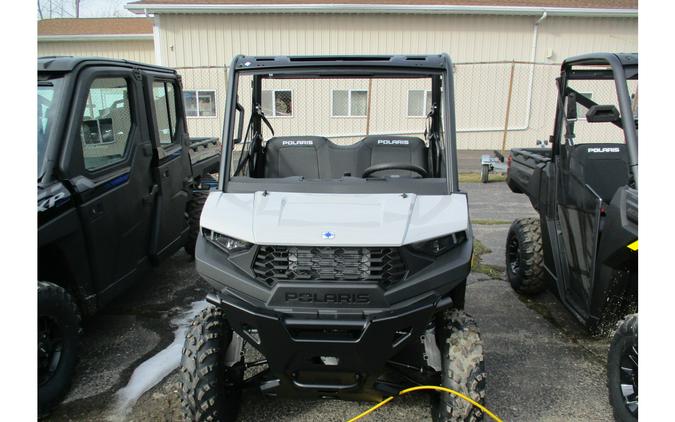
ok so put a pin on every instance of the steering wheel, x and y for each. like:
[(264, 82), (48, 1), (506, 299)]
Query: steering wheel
[(395, 166)]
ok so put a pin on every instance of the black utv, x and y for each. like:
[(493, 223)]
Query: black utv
[(585, 189), (117, 193)]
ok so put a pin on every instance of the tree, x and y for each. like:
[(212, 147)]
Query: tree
[(50, 9)]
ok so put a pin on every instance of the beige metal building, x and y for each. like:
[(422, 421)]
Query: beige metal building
[(200, 37)]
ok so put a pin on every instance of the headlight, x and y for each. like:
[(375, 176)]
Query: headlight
[(439, 245), (226, 243)]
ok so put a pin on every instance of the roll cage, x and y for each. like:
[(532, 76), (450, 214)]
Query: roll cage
[(442, 125), (610, 66)]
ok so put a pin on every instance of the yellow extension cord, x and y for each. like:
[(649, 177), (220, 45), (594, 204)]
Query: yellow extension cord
[(427, 387)]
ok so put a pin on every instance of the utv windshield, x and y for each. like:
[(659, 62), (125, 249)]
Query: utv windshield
[(327, 133), (47, 93)]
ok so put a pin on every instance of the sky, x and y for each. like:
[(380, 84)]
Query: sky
[(100, 8), (88, 8)]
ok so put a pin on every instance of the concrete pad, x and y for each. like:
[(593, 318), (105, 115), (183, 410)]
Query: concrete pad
[(106, 354), (495, 201), (535, 372), (494, 238)]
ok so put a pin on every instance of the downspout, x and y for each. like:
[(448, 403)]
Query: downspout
[(157, 41), (533, 57)]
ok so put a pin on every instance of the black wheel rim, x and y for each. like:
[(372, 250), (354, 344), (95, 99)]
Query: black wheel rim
[(50, 348), (628, 377), (512, 253)]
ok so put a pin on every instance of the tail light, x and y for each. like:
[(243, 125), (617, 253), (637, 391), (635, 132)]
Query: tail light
[(508, 164)]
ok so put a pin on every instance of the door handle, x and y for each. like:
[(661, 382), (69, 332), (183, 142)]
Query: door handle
[(147, 199), (96, 210)]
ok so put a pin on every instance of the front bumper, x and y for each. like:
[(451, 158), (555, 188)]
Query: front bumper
[(329, 338), (340, 358)]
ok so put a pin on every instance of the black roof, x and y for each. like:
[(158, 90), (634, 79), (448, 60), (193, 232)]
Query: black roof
[(417, 62), (68, 63), (623, 59)]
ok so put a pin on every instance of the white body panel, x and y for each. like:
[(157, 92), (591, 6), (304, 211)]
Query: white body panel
[(281, 218)]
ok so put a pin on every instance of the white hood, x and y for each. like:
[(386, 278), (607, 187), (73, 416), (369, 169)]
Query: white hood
[(317, 219)]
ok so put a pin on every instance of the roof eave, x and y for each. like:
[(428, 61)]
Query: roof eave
[(377, 8), (95, 37)]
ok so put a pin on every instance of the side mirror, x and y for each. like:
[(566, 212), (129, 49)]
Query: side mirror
[(602, 114), (571, 110)]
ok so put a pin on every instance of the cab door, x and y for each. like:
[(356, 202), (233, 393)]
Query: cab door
[(107, 159), (592, 163), (171, 163), (579, 218)]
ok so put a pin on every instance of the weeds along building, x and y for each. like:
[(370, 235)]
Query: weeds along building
[(505, 53)]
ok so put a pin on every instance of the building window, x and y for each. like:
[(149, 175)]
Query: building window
[(277, 103), (419, 103), (200, 103), (350, 103)]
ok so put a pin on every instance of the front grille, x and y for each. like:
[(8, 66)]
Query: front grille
[(297, 263)]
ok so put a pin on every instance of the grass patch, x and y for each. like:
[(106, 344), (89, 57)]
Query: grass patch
[(490, 222), (476, 266), (475, 178)]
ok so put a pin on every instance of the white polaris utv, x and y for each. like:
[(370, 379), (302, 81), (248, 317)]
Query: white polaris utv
[(338, 241)]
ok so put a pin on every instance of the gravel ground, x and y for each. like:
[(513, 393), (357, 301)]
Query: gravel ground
[(541, 365)]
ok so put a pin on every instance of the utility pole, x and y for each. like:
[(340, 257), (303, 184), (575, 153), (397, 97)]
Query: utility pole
[(77, 8)]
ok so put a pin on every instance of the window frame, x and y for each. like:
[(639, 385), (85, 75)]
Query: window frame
[(197, 91), (274, 103), (427, 94), (349, 104)]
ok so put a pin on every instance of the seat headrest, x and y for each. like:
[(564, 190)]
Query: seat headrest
[(294, 156), (603, 151), (604, 167)]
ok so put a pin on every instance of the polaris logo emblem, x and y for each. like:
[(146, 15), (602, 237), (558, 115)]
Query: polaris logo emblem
[(291, 143), (393, 142), (328, 235), (612, 149), (333, 298)]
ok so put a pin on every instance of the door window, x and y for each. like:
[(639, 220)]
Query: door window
[(165, 109), (106, 123)]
